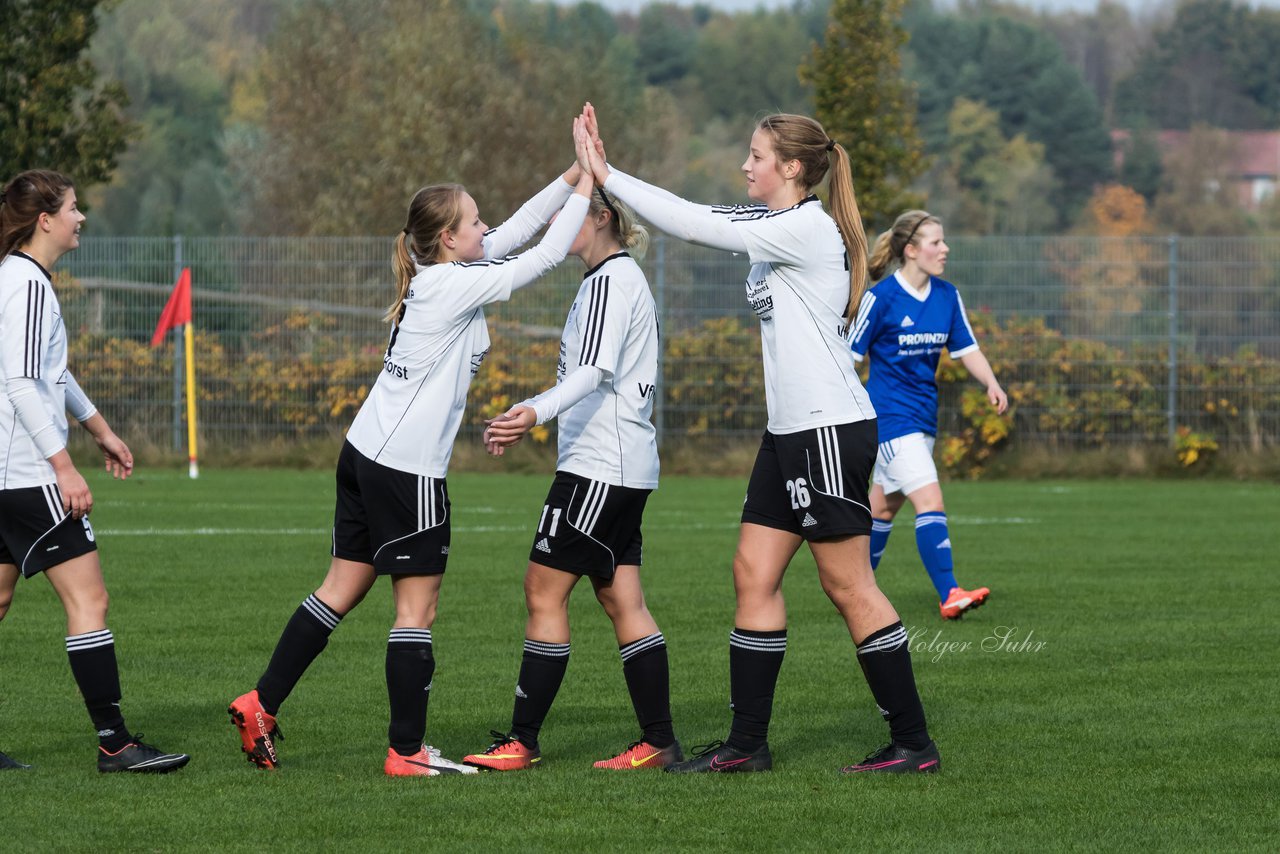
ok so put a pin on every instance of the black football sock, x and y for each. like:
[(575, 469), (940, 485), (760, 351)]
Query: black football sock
[(410, 665), (644, 664), (93, 664), (886, 663), (754, 661), (304, 637), (541, 672)]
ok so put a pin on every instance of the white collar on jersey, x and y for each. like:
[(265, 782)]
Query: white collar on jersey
[(918, 296)]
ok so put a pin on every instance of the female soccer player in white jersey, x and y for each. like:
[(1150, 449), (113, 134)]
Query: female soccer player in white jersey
[(903, 324), (392, 511), (590, 523), (44, 501), (810, 477)]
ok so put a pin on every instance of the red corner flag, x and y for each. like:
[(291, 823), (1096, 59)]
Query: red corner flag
[(177, 310)]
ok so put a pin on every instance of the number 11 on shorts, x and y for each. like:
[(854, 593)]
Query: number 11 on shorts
[(555, 520)]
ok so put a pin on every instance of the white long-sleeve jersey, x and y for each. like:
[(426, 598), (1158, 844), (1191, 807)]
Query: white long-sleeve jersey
[(611, 335), (798, 287), (36, 386), (412, 414)]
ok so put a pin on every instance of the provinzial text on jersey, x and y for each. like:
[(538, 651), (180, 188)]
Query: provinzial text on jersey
[(912, 339)]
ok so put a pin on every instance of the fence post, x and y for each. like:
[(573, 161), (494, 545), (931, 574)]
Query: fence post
[(178, 353), (660, 288), (1172, 405)]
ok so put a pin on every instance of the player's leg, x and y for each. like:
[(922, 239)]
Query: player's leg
[(767, 540), (306, 634), (757, 645), (837, 466), (410, 669), (411, 662), (884, 507), (933, 540), (844, 567), (546, 649), (91, 652), (304, 637), (645, 667), (542, 668), (8, 581)]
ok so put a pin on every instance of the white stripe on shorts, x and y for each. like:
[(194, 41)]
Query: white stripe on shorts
[(53, 498), (829, 456), (592, 504)]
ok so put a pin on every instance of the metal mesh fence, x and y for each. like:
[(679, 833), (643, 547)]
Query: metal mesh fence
[(1099, 341)]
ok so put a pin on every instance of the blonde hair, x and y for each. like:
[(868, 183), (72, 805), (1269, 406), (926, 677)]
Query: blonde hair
[(23, 199), (804, 139), (433, 210), (890, 245), (624, 226)]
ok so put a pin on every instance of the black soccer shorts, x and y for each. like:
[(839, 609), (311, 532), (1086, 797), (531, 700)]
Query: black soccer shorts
[(398, 522), (36, 533), (588, 527), (814, 483)]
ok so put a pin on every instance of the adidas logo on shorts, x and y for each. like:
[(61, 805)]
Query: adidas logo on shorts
[(809, 521), (543, 546)]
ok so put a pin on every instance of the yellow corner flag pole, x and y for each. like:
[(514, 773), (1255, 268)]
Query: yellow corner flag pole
[(189, 336)]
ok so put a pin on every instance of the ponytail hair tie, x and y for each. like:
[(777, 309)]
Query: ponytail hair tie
[(831, 144)]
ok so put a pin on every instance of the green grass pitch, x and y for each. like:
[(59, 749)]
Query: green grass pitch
[(1119, 691)]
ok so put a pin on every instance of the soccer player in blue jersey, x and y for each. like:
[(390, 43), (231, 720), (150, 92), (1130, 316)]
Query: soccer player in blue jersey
[(903, 324)]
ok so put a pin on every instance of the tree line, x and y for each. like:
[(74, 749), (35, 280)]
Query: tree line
[(322, 117)]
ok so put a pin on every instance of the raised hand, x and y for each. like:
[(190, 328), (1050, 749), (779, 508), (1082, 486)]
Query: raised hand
[(589, 154), (593, 128)]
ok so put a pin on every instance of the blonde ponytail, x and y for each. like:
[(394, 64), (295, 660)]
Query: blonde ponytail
[(881, 256), (844, 210), (402, 265)]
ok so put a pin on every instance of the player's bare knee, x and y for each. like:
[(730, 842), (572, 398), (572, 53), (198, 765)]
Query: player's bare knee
[(746, 570), (542, 603), (418, 617), (612, 608), (98, 604)]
